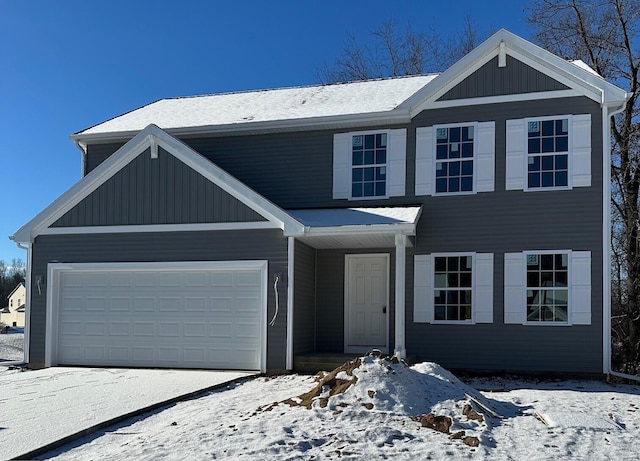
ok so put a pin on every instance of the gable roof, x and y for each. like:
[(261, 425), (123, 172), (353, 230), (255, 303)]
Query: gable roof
[(21, 284), (374, 102), (574, 74), (304, 105), (152, 137)]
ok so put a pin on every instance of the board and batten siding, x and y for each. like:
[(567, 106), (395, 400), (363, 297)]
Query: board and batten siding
[(304, 295), (264, 244), (157, 191), (491, 80)]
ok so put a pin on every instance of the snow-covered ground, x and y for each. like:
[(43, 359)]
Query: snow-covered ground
[(376, 411), (12, 345)]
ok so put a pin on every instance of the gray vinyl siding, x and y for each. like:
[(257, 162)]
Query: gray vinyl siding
[(491, 80), (330, 280), (98, 153), (267, 244), (512, 221), (304, 295), (157, 191)]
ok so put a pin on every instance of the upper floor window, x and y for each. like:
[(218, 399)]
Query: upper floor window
[(454, 158), (548, 153), (369, 165)]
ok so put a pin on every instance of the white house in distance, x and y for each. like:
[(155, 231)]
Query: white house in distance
[(13, 314)]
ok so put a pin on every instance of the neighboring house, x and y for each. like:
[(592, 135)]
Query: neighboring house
[(461, 218), (13, 314)]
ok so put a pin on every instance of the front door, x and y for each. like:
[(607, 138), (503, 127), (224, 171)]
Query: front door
[(366, 302)]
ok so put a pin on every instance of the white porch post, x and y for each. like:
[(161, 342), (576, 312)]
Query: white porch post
[(401, 258), (290, 275)]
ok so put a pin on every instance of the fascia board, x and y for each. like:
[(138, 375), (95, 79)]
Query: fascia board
[(385, 118), (82, 188), (404, 228)]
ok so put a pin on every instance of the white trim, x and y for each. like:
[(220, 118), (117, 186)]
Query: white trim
[(53, 289), (27, 312), (290, 303), (518, 97), (360, 349), (399, 308), (405, 228), (159, 228), (182, 152)]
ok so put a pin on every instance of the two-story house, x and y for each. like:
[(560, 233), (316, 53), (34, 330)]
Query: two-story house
[(461, 218), (13, 315)]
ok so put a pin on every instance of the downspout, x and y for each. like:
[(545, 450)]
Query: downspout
[(83, 149), (606, 260)]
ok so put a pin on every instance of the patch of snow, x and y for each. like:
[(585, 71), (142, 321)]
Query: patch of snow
[(12, 345), (279, 104)]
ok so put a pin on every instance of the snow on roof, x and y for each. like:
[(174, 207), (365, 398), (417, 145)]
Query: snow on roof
[(583, 65), (335, 217), (279, 104)]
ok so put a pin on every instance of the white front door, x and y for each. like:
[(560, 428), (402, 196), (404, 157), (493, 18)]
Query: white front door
[(366, 302)]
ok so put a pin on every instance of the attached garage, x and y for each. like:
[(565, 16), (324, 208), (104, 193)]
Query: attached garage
[(171, 315)]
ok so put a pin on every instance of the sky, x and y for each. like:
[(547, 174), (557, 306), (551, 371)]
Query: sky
[(67, 65)]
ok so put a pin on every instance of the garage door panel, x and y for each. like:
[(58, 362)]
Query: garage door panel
[(170, 318)]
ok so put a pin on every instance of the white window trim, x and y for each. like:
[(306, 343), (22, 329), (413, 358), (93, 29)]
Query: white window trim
[(386, 165), (472, 320), (569, 185), (435, 160), (526, 322)]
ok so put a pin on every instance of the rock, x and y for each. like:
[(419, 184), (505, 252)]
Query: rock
[(368, 405), (471, 441), (375, 353), (437, 423), (371, 393), (457, 435), (471, 413)]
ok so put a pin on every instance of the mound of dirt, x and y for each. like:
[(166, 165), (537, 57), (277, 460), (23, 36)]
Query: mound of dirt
[(425, 393)]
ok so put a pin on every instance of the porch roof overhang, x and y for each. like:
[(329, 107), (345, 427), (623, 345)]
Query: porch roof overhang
[(353, 228)]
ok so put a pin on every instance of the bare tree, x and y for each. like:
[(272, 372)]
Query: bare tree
[(606, 35), (392, 51)]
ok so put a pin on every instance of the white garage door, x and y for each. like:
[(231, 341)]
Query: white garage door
[(195, 316)]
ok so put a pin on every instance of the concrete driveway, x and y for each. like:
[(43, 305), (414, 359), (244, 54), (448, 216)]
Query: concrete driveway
[(39, 408)]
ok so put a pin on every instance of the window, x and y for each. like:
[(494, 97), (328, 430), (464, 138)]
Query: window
[(454, 158), (548, 153), (547, 287), (369, 165), (452, 287)]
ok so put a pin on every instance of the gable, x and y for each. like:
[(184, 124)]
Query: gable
[(152, 140), (160, 190), (492, 80)]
